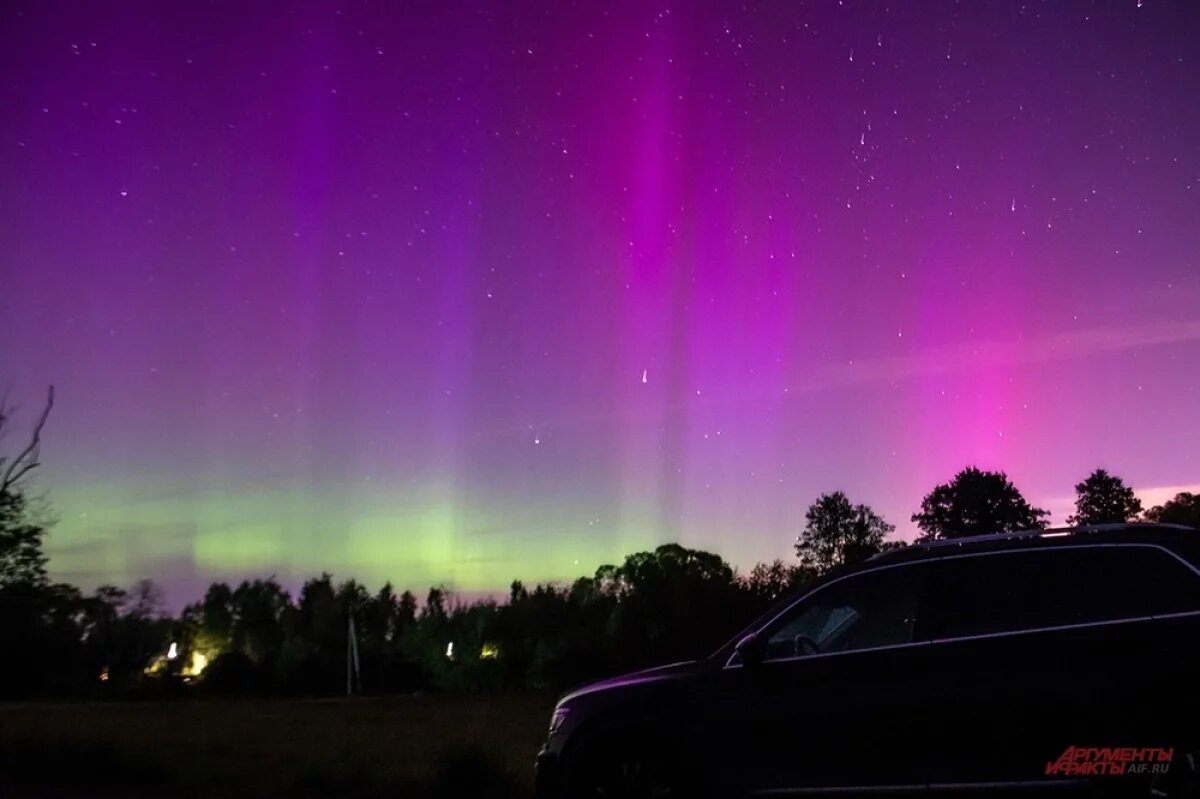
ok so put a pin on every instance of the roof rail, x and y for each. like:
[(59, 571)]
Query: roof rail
[(1049, 532)]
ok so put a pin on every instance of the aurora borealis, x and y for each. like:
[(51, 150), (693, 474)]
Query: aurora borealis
[(467, 292)]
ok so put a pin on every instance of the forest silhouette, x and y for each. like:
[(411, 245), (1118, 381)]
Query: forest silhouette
[(255, 638)]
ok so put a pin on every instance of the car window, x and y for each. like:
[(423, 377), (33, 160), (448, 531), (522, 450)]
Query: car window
[(859, 612), (1156, 582), (1014, 591)]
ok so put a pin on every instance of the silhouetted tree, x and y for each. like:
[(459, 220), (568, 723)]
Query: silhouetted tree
[(552, 637), (473, 628), (426, 643), (1184, 508), (121, 633), (259, 607), (838, 533), (144, 625), (40, 637), (434, 609), (376, 619), (770, 581), (144, 600), (22, 560), (211, 621), (406, 611), (672, 603), (383, 622), (976, 502), (100, 628), (41, 652), (313, 656), (21, 557), (1104, 499)]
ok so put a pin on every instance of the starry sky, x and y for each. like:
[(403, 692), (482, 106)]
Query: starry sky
[(464, 292)]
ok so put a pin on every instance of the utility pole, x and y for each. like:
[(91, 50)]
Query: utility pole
[(353, 670)]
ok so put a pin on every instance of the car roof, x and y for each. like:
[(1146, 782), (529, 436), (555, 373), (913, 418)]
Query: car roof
[(1175, 536), (1130, 532)]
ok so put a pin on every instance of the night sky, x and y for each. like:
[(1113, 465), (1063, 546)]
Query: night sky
[(450, 292)]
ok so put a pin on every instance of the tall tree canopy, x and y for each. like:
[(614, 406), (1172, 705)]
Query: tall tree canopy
[(1104, 498), (837, 533), (976, 502), (1183, 509), (672, 603)]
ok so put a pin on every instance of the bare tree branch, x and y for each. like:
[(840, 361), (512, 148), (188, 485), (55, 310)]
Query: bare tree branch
[(27, 460)]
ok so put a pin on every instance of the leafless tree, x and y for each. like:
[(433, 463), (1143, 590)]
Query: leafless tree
[(29, 458), (22, 561)]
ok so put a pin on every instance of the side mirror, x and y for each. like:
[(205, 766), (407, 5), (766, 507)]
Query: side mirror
[(750, 649)]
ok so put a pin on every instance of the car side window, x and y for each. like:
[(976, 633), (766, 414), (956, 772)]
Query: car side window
[(1034, 589), (863, 611), (1157, 582), (981, 595)]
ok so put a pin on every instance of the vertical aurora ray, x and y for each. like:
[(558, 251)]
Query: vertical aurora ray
[(652, 323)]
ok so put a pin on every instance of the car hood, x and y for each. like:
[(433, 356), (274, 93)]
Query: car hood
[(673, 672)]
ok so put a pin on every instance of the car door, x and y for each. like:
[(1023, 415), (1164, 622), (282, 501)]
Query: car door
[(1043, 649), (994, 695), (832, 703), (1131, 608)]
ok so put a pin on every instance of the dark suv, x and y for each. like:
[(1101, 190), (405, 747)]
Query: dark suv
[(1059, 658)]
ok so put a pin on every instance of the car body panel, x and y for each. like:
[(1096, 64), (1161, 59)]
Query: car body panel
[(988, 710)]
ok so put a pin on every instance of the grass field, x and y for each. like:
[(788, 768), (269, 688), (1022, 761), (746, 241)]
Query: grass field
[(374, 747)]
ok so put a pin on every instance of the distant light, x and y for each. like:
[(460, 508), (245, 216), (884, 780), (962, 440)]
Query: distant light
[(450, 650), (1056, 535), (489, 652), (173, 651), (645, 374), (198, 664)]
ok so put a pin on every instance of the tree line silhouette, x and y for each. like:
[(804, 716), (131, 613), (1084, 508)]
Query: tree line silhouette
[(671, 603)]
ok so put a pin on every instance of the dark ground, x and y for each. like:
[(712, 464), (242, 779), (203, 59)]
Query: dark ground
[(375, 747)]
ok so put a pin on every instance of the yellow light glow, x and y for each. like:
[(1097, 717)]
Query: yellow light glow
[(199, 662), (489, 651)]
